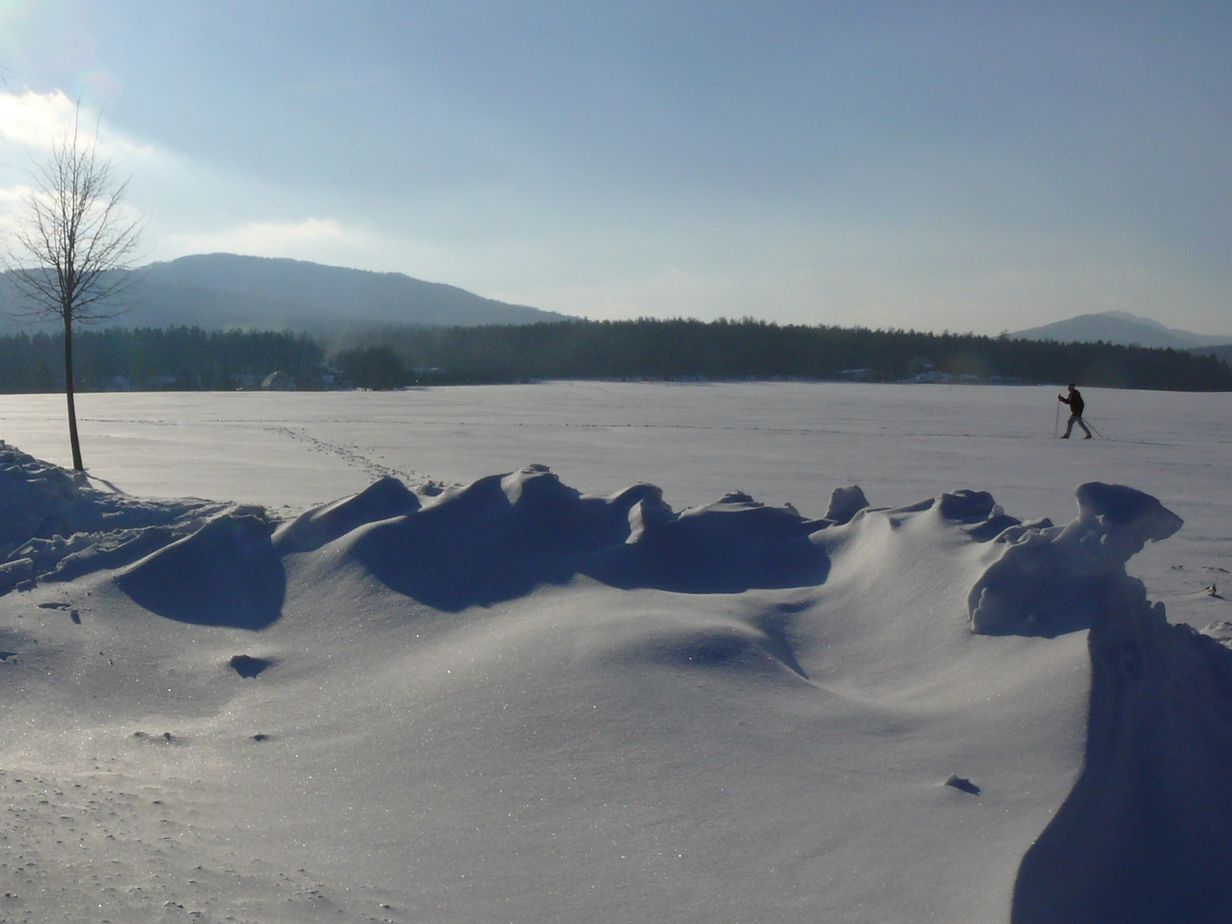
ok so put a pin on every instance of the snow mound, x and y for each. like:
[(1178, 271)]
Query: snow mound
[(726, 547), (384, 498), (502, 536), (56, 526), (845, 503), (41, 500), (1051, 580), (224, 574), (1143, 836)]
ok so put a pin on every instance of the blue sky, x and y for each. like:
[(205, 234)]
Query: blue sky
[(964, 166)]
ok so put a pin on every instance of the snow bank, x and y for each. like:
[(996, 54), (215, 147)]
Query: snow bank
[(495, 539), (1052, 580), (1144, 835), (384, 498), (501, 536), (56, 526), (224, 574)]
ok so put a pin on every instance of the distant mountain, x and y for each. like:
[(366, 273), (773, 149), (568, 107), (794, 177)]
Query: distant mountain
[(1120, 327), (226, 291)]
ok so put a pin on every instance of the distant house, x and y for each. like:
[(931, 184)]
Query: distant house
[(278, 381)]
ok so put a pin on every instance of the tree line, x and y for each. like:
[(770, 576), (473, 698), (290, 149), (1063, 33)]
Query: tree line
[(193, 358), (747, 348), (177, 358)]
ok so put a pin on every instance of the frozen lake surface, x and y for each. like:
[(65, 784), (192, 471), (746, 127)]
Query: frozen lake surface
[(779, 442)]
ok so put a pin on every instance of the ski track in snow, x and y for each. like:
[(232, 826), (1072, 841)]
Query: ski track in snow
[(350, 455)]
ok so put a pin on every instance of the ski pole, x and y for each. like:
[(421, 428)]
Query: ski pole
[(1056, 422), (1095, 428)]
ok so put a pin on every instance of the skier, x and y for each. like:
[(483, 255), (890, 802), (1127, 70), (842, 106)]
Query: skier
[(1076, 407)]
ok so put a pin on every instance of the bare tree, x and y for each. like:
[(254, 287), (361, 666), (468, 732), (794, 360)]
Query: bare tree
[(70, 254)]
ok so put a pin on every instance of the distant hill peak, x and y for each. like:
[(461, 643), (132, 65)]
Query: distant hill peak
[(1127, 316), (1120, 327), (227, 290)]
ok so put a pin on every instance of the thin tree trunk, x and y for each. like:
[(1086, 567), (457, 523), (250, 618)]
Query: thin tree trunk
[(74, 442)]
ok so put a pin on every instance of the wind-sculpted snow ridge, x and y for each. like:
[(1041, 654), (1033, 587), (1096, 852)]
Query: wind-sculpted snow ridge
[(55, 526), (496, 539), (224, 574), (501, 536), (504, 535), (387, 497), (1057, 579), (1144, 835)]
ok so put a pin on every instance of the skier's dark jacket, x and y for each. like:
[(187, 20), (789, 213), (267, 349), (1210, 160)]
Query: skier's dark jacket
[(1075, 402)]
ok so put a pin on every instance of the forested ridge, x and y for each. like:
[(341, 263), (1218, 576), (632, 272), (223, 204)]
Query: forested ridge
[(156, 358), (193, 358)]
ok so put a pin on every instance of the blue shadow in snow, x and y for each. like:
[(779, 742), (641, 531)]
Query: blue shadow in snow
[(1143, 837), (498, 539), (225, 574)]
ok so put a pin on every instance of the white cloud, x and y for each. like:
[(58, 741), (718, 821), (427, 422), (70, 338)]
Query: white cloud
[(36, 121), (13, 197), (13, 202)]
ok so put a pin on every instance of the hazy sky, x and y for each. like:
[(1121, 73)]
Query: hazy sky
[(971, 166)]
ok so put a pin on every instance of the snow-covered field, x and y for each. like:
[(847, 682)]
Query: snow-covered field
[(608, 692)]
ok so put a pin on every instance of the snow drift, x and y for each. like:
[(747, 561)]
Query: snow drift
[(502, 536), (224, 574), (55, 526), (1059, 579), (512, 700), (1143, 836)]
